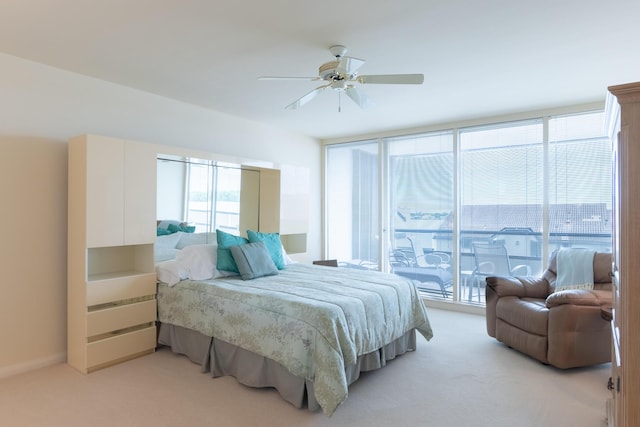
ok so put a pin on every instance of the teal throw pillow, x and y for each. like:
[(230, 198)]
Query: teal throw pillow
[(253, 260), (173, 228), (225, 260), (272, 242), (162, 232)]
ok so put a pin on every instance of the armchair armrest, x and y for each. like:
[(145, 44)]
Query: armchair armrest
[(505, 286), (596, 298), (533, 287)]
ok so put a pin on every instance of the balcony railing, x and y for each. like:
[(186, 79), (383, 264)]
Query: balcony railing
[(524, 248)]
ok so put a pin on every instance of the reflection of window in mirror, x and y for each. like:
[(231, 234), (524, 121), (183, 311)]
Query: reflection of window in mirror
[(226, 194), (198, 190), (207, 194)]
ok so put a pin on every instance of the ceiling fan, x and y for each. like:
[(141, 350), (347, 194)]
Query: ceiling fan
[(341, 75)]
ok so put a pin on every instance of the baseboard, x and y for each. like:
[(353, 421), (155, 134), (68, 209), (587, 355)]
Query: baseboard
[(32, 365)]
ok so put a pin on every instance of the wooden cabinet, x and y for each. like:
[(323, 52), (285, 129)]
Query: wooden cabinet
[(623, 108), (111, 231)]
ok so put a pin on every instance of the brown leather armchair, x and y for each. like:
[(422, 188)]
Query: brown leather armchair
[(564, 329)]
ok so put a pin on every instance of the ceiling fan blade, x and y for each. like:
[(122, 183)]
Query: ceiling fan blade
[(358, 97), (348, 65), (410, 79), (306, 98), (287, 78)]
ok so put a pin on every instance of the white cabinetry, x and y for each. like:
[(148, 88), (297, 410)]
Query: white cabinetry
[(284, 207), (120, 183), (624, 112), (294, 210), (111, 231)]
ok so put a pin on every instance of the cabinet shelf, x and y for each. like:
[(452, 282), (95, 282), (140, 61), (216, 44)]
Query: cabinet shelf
[(115, 275), (116, 261)]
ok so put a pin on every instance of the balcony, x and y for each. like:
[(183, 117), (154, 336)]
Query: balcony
[(524, 248)]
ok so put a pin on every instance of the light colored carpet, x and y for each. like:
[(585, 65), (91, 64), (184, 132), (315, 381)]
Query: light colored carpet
[(460, 378)]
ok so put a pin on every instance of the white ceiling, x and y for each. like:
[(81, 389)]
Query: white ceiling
[(479, 58)]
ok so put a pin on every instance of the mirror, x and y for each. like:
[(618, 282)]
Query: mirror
[(198, 196)]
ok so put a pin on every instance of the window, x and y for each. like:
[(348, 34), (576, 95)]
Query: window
[(421, 206), (528, 187), (353, 235), (501, 202), (579, 182)]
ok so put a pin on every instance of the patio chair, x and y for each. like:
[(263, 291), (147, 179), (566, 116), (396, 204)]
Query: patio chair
[(492, 259), (424, 277)]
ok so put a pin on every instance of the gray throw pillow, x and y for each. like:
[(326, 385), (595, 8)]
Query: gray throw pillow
[(253, 260)]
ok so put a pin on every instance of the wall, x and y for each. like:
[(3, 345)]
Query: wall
[(40, 109)]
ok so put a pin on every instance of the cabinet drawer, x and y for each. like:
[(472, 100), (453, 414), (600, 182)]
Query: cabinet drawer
[(124, 316), (120, 288), (119, 347)]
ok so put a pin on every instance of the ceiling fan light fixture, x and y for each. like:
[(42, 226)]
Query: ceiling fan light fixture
[(339, 85), (327, 71)]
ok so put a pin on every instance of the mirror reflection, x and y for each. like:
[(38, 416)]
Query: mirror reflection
[(197, 196)]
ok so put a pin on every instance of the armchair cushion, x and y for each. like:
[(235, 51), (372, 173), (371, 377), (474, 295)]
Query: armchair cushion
[(529, 314)]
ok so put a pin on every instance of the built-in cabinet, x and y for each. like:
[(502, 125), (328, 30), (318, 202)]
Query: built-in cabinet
[(294, 210), (623, 109), (112, 220), (111, 231), (289, 186)]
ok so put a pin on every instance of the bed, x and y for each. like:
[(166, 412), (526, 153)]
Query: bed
[(307, 330)]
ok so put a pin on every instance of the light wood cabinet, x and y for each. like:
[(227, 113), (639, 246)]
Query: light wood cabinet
[(111, 231), (623, 108), (269, 197)]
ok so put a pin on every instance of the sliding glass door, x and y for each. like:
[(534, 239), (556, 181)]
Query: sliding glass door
[(427, 206), (421, 210), (501, 203), (580, 183)]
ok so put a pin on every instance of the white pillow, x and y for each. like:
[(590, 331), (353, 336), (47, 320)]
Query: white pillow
[(200, 261), (189, 239), (163, 254), (287, 259), (165, 247), (168, 240), (171, 272)]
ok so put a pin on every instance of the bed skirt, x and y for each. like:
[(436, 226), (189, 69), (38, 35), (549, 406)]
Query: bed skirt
[(222, 359)]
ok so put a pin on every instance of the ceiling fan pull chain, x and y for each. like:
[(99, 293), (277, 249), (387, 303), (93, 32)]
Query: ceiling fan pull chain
[(339, 106)]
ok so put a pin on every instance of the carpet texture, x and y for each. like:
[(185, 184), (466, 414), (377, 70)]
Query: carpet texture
[(461, 377)]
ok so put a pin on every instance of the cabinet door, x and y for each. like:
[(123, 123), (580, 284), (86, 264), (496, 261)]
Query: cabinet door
[(294, 200), (269, 216), (139, 193), (249, 200), (105, 184)]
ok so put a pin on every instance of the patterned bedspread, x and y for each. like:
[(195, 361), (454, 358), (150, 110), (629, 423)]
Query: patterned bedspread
[(313, 320)]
